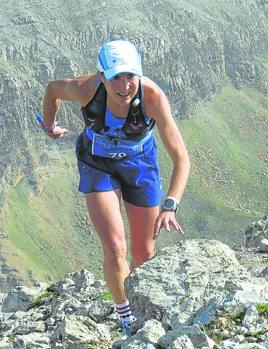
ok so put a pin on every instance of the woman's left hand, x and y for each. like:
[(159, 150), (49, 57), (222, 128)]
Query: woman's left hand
[(166, 220)]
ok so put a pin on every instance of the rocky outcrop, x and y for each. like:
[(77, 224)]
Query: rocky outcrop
[(256, 234), (71, 311), (190, 49), (253, 255), (192, 295)]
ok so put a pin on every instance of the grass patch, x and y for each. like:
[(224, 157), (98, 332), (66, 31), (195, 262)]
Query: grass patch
[(43, 234), (106, 296), (41, 297), (262, 308), (229, 173)]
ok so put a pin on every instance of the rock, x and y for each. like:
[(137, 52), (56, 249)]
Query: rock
[(206, 313), (263, 245), (182, 342), (264, 273), (5, 344), (251, 319), (178, 284), (19, 300), (256, 232), (79, 328), (198, 338), (188, 296), (244, 293), (32, 340), (148, 335)]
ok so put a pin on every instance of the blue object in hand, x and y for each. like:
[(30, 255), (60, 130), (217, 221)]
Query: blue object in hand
[(39, 118)]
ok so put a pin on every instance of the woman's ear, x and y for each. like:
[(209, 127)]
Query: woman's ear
[(101, 76)]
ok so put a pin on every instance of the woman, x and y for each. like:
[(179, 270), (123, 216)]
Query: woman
[(117, 157)]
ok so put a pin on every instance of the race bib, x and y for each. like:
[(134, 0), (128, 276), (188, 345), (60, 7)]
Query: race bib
[(102, 145)]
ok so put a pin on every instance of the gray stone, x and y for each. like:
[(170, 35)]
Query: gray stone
[(182, 280), (182, 342), (78, 328), (245, 293), (264, 273), (137, 344), (32, 340), (251, 320), (263, 245), (19, 300), (5, 344), (256, 232), (197, 336), (205, 315), (203, 281), (149, 334)]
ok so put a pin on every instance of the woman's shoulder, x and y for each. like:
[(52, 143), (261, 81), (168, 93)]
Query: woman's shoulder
[(152, 93), (86, 86), (149, 84)]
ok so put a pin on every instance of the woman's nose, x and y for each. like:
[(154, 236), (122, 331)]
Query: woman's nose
[(124, 83)]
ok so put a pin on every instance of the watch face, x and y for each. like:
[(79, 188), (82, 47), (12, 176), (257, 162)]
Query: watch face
[(170, 205)]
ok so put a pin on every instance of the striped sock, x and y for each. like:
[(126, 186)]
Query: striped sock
[(123, 309)]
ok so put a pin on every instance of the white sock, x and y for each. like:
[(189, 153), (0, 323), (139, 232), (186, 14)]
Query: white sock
[(123, 309)]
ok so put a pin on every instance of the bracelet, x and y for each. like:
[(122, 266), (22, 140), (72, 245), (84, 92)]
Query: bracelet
[(39, 119), (47, 129)]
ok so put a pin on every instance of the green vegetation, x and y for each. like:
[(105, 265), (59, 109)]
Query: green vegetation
[(228, 151), (106, 296), (39, 299), (264, 261), (237, 318), (44, 229), (262, 308)]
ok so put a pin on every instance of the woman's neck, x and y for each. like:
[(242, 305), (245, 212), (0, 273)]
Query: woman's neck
[(116, 109)]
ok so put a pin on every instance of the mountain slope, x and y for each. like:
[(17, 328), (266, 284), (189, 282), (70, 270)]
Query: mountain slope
[(211, 60)]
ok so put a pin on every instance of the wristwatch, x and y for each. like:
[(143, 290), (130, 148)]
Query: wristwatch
[(170, 204)]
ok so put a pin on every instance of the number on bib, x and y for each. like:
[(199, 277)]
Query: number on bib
[(118, 155)]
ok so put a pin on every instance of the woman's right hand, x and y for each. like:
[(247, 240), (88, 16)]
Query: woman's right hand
[(57, 132)]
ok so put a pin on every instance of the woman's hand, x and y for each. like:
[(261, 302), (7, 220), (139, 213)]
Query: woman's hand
[(166, 220), (57, 132)]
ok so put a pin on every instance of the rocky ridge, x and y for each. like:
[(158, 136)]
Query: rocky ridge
[(192, 295), (191, 49)]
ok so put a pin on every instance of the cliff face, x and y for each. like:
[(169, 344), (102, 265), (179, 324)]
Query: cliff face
[(190, 49)]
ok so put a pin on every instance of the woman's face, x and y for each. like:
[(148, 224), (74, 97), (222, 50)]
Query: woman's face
[(122, 88)]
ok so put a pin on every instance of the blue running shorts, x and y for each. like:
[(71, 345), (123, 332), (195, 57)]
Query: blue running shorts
[(137, 176)]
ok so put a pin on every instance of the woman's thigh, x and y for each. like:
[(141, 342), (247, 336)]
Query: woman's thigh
[(105, 215)]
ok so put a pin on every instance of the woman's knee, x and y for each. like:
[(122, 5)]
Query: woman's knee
[(139, 256), (115, 250)]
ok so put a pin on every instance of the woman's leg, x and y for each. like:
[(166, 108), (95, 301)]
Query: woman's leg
[(141, 223), (105, 215)]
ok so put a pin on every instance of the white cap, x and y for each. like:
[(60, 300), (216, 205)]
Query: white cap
[(119, 56)]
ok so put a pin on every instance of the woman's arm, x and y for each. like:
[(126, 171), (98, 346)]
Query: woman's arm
[(159, 109), (77, 90)]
